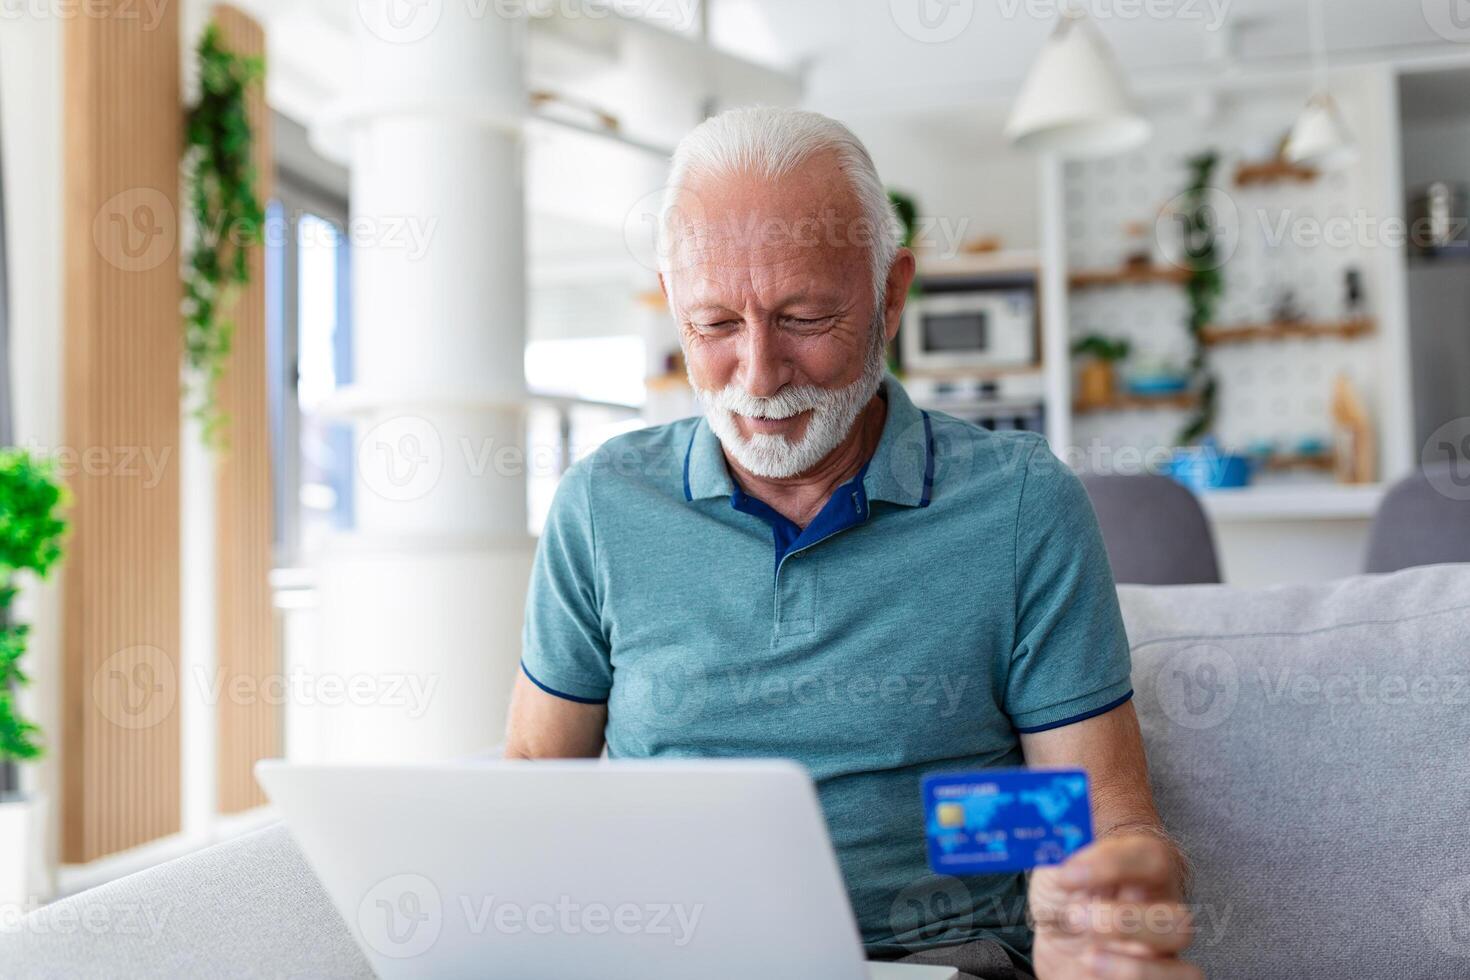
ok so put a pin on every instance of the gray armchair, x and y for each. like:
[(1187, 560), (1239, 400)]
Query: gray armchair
[(1418, 523), (1154, 529)]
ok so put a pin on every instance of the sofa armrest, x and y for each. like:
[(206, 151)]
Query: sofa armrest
[(249, 907)]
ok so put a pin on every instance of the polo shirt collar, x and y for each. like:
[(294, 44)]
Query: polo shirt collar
[(900, 472)]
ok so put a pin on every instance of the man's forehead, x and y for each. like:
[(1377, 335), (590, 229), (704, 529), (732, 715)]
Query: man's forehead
[(719, 229)]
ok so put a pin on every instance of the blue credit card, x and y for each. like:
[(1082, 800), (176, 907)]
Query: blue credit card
[(999, 820)]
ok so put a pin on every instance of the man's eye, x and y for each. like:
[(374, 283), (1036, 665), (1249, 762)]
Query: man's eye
[(717, 327), (803, 321)]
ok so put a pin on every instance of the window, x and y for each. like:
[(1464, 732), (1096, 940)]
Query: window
[(308, 280)]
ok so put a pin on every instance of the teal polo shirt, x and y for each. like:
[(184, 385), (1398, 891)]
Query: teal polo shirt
[(952, 595)]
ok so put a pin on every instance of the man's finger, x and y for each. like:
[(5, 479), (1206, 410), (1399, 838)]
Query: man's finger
[(1161, 927), (1141, 928), (1121, 861), (1115, 966)]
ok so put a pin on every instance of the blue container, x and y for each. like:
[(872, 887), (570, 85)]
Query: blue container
[(1206, 468), (1157, 385)]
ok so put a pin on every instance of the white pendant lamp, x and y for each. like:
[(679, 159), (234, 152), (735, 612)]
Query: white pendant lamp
[(1074, 102), (1320, 138)]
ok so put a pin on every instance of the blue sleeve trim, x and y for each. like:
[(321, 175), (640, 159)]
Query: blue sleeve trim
[(1072, 720), (560, 694)]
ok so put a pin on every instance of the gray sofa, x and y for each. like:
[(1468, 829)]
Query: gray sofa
[(1310, 745)]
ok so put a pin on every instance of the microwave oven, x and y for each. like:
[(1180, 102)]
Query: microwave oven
[(975, 330)]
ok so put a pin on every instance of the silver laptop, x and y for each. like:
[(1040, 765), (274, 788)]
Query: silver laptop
[(596, 869)]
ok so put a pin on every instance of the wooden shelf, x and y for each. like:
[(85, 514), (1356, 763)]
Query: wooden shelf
[(1297, 461), (1124, 402), (1289, 330), (1273, 172), (1139, 275)]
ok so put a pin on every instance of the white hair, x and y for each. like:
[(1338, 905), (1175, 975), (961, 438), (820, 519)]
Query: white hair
[(771, 142)]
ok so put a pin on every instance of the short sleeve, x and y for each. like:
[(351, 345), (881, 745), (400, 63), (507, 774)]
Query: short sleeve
[(564, 649), (1071, 657)]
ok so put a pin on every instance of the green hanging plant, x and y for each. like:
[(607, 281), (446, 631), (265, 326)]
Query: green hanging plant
[(31, 527), (1204, 287), (228, 217), (906, 210)]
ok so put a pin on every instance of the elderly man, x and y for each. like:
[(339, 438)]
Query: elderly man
[(819, 570)]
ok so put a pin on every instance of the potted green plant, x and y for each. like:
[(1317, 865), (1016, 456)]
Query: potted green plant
[(31, 527), (1097, 381)]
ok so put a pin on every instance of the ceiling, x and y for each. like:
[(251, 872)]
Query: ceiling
[(911, 56), (880, 55)]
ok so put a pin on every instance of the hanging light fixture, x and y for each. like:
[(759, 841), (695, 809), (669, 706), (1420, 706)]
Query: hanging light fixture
[(1320, 138), (1074, 101)]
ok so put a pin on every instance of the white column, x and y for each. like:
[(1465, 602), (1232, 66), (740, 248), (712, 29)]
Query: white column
[(421, 606)]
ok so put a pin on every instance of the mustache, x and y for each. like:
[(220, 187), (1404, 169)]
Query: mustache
[(784, 404)]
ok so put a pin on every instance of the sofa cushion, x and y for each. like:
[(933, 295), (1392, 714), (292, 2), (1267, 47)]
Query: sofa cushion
[(247, 908), (1310, 747)]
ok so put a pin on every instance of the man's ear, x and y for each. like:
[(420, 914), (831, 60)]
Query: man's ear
[(900, 277), (663, 287)]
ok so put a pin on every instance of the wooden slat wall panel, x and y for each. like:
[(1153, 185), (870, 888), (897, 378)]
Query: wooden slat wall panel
[(246, 646), (120, 734)]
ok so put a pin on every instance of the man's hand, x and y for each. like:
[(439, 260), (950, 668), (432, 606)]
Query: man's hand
[(1113, 910)]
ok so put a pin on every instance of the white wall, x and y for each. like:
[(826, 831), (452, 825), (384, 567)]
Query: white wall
[(30, 134), (968, 185)]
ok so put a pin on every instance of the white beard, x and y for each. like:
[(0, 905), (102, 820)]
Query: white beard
[(774, 457)]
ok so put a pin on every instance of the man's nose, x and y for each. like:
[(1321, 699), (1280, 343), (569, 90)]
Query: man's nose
[(765, 367)]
